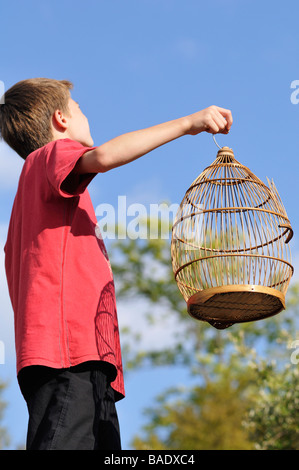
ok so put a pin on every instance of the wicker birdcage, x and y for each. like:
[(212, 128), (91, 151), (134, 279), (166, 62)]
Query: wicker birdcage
[(229, 247)]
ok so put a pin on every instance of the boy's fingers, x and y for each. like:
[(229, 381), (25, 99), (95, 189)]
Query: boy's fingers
[(219, 123), (226, 113)]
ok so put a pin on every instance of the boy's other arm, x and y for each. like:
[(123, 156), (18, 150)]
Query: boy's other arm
[(130, 146)]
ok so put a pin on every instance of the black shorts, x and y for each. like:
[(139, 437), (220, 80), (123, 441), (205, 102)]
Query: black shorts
[(70, 409)]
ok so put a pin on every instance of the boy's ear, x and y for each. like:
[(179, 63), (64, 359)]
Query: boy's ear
[(60, 120)]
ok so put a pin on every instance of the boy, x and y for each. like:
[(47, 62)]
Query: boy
[(59, 277)]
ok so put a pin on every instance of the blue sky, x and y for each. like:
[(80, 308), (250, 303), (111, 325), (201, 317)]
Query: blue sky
[(138, 63)]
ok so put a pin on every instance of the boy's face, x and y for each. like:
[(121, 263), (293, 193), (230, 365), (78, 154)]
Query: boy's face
[(78, 127)]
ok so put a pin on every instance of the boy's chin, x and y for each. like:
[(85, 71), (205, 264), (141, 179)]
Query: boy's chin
[(87, 142)]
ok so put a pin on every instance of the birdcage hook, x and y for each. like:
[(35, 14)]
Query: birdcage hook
[(216, 142), (213, 135)]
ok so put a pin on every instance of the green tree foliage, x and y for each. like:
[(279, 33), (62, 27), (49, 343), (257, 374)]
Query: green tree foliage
[(246, 380), (273, 418), (204, 417)]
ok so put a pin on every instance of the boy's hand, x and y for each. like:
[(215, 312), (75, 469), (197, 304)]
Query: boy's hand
[(213, 120)]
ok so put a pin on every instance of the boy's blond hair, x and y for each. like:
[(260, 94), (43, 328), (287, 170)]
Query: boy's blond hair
[(25, 116)]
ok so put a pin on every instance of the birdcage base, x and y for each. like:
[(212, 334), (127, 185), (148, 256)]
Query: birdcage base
[(226, 305)]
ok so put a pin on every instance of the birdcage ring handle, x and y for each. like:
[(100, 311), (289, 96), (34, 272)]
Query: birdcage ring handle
[(288, 229), (216, 142), (213, 135)]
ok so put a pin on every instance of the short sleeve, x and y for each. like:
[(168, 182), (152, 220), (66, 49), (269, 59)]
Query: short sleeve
[(60, 160)]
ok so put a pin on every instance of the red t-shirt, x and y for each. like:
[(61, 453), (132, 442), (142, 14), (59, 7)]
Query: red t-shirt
[(58, 272)]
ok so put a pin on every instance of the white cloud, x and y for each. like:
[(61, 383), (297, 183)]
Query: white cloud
[(295, 260), (10, 167), (6, 317), (155, 336)]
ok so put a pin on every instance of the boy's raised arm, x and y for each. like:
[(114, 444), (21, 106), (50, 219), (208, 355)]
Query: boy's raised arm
[(130, 146)]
